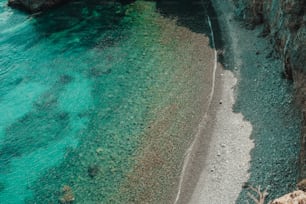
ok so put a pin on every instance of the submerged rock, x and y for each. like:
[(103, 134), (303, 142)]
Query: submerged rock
[(285, 24), (67, 195), (93, 170)]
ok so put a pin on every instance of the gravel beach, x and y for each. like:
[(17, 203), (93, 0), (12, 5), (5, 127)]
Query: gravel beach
[(240, 145)]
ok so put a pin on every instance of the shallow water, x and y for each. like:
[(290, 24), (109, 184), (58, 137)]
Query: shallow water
[(80, 86)]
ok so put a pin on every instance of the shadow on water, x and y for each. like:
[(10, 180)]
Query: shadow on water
[(193, 15), (82, 23)]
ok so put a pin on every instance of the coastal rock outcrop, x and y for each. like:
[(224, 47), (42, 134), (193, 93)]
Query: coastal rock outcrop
[(285, 24), (292, 198), (39, 5), (34, 5)]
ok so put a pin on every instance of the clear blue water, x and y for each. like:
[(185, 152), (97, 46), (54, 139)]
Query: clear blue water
[(59, 72), (77, 90)]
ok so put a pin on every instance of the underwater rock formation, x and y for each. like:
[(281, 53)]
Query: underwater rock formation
[(67, 195)]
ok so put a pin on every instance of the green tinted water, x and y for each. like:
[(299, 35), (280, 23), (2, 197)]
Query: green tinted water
[(79, 87)]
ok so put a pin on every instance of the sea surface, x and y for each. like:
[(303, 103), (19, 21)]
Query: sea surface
[(99, 98)]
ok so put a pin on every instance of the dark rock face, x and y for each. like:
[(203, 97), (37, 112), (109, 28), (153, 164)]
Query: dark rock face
[(38, 5), (34, 5), (285, 24)]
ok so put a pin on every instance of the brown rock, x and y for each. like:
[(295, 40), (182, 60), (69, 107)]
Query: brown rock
[(302, 185), (296, 197), (67, 195)]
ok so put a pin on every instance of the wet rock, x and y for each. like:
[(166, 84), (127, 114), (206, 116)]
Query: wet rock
[(99, 150), (67, 195)]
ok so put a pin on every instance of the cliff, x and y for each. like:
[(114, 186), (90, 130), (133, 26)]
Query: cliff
[(285, 26)]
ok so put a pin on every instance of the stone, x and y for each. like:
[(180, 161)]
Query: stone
[(99, 150), (302, 185), (296, 197), (67, 196)]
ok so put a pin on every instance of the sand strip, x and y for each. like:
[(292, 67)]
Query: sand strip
[(222, 154)]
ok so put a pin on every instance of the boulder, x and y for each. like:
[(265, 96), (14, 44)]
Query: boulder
[(296, 197)]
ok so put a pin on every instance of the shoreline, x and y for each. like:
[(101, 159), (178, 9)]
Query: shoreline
[(210, 176), (203, 122), (225, 166)]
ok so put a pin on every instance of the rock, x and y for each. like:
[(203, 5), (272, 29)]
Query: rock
[(296, 197), (34, 5), (99, 150), (93, 170), (302, 185), (67, 195)]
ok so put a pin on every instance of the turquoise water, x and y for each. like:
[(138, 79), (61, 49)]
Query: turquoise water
[(59, 72), (78, 89)]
